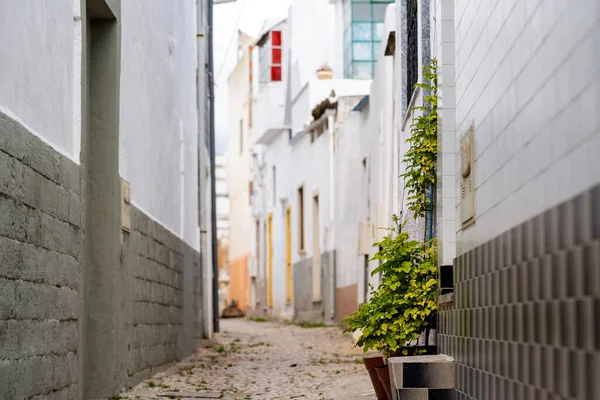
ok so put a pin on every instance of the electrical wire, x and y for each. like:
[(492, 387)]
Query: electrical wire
[(235, 29)]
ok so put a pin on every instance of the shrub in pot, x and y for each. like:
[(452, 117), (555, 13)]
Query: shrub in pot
[(403, 306)]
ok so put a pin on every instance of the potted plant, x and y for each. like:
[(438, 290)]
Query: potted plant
[(403, 306)]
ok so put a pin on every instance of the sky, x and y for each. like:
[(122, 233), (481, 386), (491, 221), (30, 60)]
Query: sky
[(247, 16)]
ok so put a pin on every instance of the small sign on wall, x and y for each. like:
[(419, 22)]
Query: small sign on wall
[(467, 187)]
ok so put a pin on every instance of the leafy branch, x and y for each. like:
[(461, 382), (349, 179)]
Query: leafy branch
[(404, 303), (421, 158)]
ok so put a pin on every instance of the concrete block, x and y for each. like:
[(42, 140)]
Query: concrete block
[(39, 301), (13, 137), (41, 265), (11, 176), (75, 209), (432, 372), (23, 339), (41, 193), (140, 221), (70, 392), (152, 226), (69, 175), (7, 299), (42, 158), (63, 336), (11, 258), (161, 234), (33, 227), (9, 341), (60, 236), (7, 370), (161, 254), (424, 394), (144, 246), (174, 243), (65, 370), (13, 219), (33, 376)]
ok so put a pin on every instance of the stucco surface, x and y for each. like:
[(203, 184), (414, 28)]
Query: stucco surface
[(158, 117), (36, 52)]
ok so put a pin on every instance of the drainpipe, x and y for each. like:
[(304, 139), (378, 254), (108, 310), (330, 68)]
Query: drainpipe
[(213, 197), (332, 143), (330, 122)]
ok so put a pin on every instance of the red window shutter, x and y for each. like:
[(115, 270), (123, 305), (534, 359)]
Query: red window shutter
[(275, 74), (276, 56), (276, 38)]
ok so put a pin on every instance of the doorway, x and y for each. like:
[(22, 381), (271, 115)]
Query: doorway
[(316, 251)]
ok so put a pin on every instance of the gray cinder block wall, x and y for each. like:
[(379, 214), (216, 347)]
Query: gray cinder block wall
[(163, 297), (41, 280), (40, 268)]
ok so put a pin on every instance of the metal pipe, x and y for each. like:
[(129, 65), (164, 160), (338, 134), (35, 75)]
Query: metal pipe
[(213, 197), (201, 99)]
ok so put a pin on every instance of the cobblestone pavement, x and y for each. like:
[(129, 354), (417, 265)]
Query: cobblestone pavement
[(264, 360)]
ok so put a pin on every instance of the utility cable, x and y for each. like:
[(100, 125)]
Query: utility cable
[(235, 29)]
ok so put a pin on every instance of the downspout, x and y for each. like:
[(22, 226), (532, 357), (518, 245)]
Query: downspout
[(332, 145), (330, 122), (213, 201)]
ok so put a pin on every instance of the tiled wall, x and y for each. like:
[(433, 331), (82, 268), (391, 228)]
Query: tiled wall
[(526, 78), (442, 45), (526, 316)]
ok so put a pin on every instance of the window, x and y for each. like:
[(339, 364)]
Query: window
[(270, 56), (363, 34), (276, 56), (301, 219), (241, 136), (412, 57)]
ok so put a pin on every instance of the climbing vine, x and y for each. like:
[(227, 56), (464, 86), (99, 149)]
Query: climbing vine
[(404, 304), (421, 157)]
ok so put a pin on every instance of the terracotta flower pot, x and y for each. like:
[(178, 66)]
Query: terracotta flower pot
[(383, 373), (371, 364)]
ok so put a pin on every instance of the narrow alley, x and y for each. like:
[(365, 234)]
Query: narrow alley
[(254, 359)]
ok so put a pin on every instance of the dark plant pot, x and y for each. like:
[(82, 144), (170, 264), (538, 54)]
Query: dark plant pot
[(417, 350), (383, 373), (371, 364)]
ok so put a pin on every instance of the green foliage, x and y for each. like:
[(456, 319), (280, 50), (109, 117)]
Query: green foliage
[(421, 157), (315, 325), (257, 319), (404, 304)]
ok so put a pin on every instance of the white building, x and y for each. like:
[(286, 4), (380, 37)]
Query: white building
[(240, 177), (297, 155), (518, 188), (222, 194), (103, 161)]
